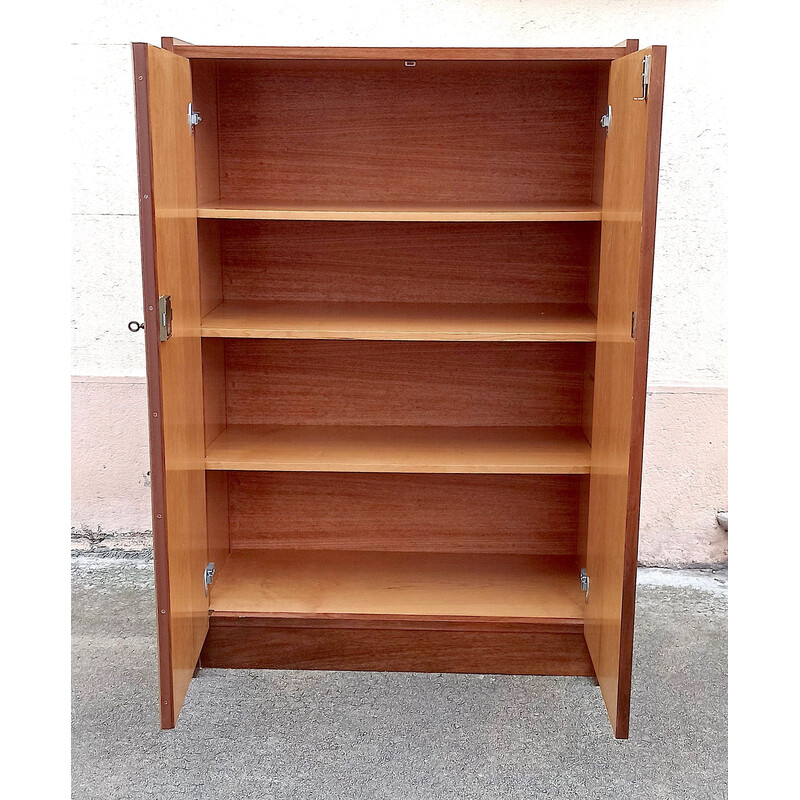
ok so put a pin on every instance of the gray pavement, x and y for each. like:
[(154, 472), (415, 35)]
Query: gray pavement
[(298, 735)]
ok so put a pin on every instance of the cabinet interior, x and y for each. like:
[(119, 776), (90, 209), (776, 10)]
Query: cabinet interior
[(397, 382)]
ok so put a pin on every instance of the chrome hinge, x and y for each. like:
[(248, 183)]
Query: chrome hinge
[(164, 317), (633, 324), (605, 120), (194, 118), (645, 78), (208, 576), (585, 584)]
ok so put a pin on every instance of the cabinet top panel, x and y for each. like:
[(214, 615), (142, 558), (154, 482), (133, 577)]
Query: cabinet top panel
[(409, 53)]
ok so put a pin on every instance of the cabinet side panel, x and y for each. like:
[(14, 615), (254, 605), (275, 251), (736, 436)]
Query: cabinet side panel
[(626, 262), (182, 545), (206, 137)]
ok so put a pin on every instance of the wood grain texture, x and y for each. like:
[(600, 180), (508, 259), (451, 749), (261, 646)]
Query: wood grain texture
[(496, 322), (396, 211), (630, 45), (210, 265), (354, 136), (206, 134), (478, 54), (360, 583), (284, 382), (407, 262), (231, 644), (600, 135), (217, 517), (170, 43), (629, 202), (534, 514), (167, 90), (214, 398), (343, 448)]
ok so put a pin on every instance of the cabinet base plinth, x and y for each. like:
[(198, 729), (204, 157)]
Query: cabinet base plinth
[(334, 644)]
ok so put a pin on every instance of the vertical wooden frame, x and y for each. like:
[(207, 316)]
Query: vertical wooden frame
[(624, 290), (170, 267)]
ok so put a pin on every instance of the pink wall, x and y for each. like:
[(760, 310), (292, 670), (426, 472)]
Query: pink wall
[(110, 455), (685, 479), (684, 483)]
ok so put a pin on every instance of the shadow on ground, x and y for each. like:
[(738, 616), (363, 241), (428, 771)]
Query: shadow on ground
[(283, 734)]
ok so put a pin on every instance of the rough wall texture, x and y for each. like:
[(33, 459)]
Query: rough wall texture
[(685, 480), (110, 456), (688, 345)]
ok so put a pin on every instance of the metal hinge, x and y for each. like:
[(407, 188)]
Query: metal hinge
[(164, 317), (645, 78), (605, 120), (194, 118), (585, 583), (208, 576), (633, 324)]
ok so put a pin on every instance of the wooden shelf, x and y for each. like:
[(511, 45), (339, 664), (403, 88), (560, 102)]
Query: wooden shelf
[(411, 585), (398, 211), (344, 448), (402, 321)]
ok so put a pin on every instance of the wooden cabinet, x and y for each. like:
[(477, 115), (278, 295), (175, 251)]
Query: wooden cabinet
[(397, 308)]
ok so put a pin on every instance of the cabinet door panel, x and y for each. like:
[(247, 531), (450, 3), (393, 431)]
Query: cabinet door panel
[(168, 209), (626, 265)]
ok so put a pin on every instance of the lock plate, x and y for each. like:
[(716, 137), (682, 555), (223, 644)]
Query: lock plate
[(164, 317)]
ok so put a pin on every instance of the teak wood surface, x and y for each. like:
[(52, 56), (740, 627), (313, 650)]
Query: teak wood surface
[(486, 586), (170, 267), (401, 321), (403, 262), (626, 264), (534, 514), (252, 643), (381, 141), (382, 412), (314, 382), (352, 448), (400, 211), (478, 54)]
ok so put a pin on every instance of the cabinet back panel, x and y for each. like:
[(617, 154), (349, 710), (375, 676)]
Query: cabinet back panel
[(343, 131), (280, 382), (450, 262), (535, 514)]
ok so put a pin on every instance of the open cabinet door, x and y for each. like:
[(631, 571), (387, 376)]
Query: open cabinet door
[(630, 185), (168, 209)]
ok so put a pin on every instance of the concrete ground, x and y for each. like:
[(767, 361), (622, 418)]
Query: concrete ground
[(298, 735)]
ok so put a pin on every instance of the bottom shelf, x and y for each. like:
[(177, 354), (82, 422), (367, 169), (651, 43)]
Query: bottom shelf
[(321, 583)]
